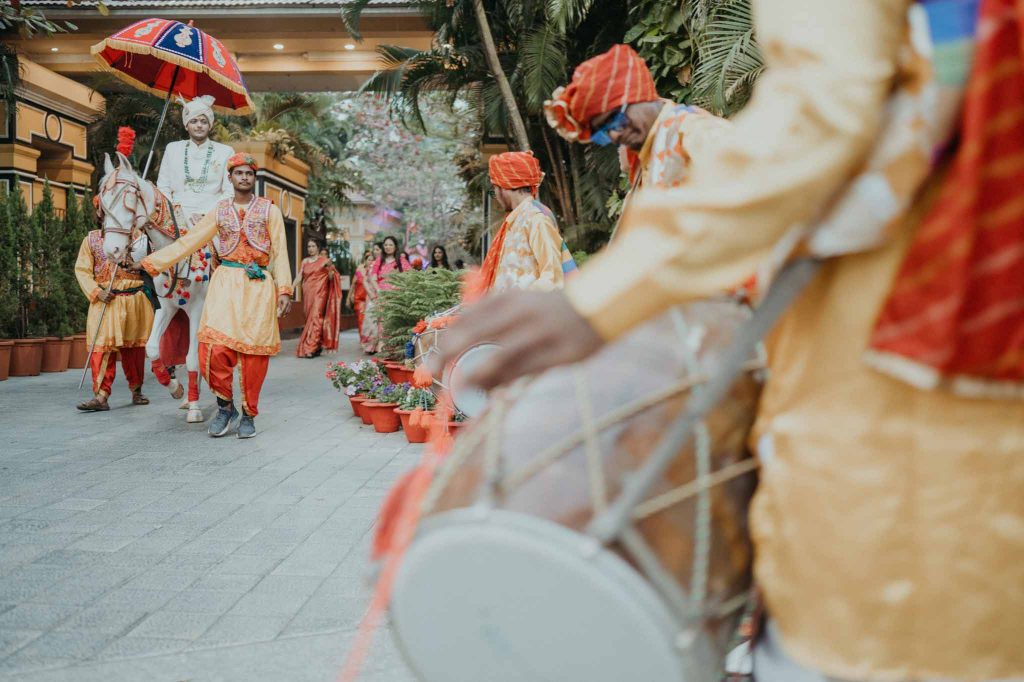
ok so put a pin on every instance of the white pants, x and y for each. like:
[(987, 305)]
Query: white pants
[(771, 664)]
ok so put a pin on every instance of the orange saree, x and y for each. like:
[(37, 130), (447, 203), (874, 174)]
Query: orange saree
[(321, 302)]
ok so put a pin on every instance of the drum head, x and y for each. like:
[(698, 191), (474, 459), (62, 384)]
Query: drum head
[(504, 597), (467, 399)]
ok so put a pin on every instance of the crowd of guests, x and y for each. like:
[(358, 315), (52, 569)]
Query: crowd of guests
[(321, 292)]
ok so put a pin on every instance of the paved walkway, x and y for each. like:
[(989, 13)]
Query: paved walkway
[(134, 547)]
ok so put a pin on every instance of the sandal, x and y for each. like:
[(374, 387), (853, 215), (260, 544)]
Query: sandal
[(94, 405), (139, 399)]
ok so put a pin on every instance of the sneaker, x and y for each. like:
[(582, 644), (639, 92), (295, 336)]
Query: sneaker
[(223, 421), (246, 427)]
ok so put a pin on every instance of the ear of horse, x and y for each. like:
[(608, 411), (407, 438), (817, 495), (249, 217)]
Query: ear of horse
[(126, 165), (108, 166)]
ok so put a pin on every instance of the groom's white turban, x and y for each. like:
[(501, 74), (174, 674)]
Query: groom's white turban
[(200, 106)]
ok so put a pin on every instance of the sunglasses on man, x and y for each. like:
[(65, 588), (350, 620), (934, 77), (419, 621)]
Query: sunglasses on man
[(602, 136)]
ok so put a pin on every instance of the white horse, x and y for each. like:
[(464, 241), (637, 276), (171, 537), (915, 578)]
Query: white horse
[(132, 206)]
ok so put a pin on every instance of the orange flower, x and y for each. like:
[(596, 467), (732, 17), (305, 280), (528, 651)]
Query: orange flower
[(420, 327)]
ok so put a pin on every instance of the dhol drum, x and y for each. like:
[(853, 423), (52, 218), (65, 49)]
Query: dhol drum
[(466, 399), (507, 580)]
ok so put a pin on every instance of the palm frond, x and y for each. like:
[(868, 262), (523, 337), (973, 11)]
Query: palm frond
[(351, 13), (544, 65)]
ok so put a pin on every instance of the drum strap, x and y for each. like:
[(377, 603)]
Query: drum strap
[(609, 525)]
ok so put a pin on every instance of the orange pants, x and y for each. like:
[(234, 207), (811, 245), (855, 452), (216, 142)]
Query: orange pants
[(217, 365), (103, 363)]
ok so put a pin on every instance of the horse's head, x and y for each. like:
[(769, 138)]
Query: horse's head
[(127, 201)]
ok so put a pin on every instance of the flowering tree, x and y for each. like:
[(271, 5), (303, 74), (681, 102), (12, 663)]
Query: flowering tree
[(409, 169)]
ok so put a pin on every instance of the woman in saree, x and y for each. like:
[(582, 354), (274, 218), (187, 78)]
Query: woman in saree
[(390, 261), (321, 302), (357, 294), (369, 335)]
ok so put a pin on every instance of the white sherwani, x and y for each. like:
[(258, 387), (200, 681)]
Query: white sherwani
[(199, 196)]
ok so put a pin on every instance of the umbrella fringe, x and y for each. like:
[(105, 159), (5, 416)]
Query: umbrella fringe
[(170, 58)]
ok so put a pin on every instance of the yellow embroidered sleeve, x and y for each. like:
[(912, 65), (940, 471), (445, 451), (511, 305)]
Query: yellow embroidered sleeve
[(279, 266), (83, 272), (546, 244), (182, 248), (811, 120)]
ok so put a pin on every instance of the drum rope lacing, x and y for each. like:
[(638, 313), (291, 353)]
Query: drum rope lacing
[(592, 448)]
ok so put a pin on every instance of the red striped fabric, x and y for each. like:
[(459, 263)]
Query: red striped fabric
[(513, 170), (956, 310)]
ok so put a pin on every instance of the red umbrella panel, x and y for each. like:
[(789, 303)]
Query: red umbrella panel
[(163, 56)]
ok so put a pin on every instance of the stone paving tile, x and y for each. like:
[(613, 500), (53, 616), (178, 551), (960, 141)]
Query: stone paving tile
[(188, 558)]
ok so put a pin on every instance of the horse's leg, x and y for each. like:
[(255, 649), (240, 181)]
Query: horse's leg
[(161, 320), (195, 314)]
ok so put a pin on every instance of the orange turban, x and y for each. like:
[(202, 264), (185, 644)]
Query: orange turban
[(513, 170), (604, 83), (242, 159)]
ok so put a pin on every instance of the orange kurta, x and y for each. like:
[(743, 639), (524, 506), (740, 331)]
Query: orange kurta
[(240, 312), (128, 318), (889, 522)]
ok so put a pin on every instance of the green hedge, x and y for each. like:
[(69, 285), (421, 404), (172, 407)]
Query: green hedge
[(419, 293), (39, 295)]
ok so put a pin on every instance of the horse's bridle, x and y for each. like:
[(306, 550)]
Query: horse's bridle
[(132, 188)]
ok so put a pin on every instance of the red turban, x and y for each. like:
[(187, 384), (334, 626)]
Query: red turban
[(513, 170), (242, 159), (604, 83)]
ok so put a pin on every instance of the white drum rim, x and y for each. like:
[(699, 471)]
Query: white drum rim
[(446, 376), (573, 543)]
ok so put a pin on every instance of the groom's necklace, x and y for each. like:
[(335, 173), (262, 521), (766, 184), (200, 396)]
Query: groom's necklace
[(197, 185)]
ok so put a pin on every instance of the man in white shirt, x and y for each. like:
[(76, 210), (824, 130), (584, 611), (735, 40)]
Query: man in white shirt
[(193, 172)]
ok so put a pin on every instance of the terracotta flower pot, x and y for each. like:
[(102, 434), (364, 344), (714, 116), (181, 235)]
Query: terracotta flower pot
[(364, 410), (26, 357), (393, 371), (79, 355), (56, 353), (417, 433), (5, 358), (384, 418), (357, 406), (402, 375), (353, 401)]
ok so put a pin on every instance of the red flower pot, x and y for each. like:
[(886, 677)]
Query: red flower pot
[(56, 353), (402, 375), (361, 412), (393, 371), (353, 401), (417, 433), (5, 358), (26, 357), (384, 418), (79, 355)]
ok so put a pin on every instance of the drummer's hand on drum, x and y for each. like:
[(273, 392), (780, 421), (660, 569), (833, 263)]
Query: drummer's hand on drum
[(535, 331)]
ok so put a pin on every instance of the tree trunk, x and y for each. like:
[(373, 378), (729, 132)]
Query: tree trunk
[(518, 127)]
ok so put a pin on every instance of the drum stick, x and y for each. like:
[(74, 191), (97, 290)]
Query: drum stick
[(608, 525)]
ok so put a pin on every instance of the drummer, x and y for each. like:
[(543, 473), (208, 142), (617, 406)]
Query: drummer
[(527, 251), (888, 523), (612, 99)]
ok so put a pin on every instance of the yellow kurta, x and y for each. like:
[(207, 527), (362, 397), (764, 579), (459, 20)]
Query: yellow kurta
[(680, 136), (240, 313), (128, 318), (889, 523), (531, 256)]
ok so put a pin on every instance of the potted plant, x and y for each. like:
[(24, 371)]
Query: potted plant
[(415, 410), (457, 423), (78, 220), (384, 398), (342, 376), (26, 353)]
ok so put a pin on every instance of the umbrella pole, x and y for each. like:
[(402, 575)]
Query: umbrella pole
[(160, 125)]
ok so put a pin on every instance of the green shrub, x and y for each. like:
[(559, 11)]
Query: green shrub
[(418, 294)]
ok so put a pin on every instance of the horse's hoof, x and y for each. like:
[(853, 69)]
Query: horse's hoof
[(176, 389), (195, 415)]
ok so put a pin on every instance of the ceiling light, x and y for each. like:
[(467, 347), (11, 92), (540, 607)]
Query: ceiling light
[(278, 46), (54, 49), (349, 46)]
